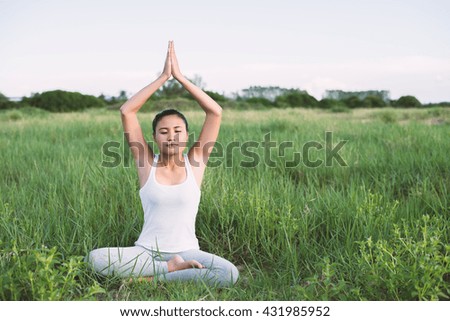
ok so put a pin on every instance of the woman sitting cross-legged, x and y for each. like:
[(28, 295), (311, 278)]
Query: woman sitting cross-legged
[(170, 182)]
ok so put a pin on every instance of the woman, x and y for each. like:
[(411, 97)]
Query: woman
[(170, 193)]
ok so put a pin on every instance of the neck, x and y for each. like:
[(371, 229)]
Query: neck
[(171, 160)]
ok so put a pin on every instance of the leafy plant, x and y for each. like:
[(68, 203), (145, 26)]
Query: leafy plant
[(43, 274), (405, 268), (326, 285)]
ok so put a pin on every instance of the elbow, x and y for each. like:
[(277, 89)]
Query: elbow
[(124, 110), (216, 112), (219, 112)]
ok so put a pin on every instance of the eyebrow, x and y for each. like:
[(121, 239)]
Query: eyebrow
[(168, 127)]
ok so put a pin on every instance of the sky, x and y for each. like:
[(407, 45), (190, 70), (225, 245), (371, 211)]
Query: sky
[(103, 47)]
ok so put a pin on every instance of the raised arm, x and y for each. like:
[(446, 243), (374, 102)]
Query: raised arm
[(203, 147), (142, 153)]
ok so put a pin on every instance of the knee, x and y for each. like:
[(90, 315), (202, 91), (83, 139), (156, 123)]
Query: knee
[(229, 275), (92, 256), (95, 260)]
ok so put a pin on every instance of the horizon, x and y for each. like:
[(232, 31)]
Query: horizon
[(105, 47), (233, 95)]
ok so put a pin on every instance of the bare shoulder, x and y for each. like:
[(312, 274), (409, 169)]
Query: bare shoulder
[(198, 164)]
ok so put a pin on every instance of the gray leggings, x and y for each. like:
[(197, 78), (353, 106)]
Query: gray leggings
[(139, 261)]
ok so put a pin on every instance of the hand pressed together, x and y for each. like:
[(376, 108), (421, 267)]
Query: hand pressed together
[(171, 67)]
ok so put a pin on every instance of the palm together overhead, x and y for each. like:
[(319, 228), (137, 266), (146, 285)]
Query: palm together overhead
[(171, 67)]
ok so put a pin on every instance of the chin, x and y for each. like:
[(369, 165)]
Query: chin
[(171, 151)]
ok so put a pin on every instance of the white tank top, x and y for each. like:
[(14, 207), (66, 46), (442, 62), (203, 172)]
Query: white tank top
[(169, 212)]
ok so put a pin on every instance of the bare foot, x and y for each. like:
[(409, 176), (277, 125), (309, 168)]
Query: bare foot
[(177, 263)]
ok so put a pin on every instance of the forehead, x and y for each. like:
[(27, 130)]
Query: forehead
[(170, 121)]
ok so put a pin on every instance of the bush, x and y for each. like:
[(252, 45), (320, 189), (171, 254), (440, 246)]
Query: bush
[(11, 115), (5, 103), (407, 102), (352, 102), (216, 96), (373, 101), (62, 101), (259, 102), (296, 98), (329, 103)]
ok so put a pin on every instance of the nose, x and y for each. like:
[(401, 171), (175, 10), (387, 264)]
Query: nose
[(171, 136)]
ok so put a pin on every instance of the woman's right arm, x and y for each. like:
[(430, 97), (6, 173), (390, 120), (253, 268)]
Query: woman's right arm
[(142, 153)]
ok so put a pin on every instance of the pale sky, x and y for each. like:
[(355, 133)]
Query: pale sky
[(99, 47)]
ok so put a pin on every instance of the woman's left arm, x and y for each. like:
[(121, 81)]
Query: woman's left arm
[(210, 130)]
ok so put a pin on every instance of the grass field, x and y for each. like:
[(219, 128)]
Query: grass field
[(376, 229)]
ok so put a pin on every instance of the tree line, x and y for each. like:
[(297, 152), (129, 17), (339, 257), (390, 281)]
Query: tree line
[(254, 97)]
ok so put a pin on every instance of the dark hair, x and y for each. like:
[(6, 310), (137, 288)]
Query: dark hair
[(167, 112)]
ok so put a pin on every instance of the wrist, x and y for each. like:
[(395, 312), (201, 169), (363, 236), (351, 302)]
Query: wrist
[(181, 79), (164, 77)]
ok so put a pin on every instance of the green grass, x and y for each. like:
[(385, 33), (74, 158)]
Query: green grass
[(376, 229)]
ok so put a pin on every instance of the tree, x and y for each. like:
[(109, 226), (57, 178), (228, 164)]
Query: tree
[(269, 93), (261, 101), (296, 98), (216, 96), (361, 95), (171, 89), (122, 95), (407, 102), (62, 101), (373, 101), (328, 103), (352, 102), (5, 103)]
